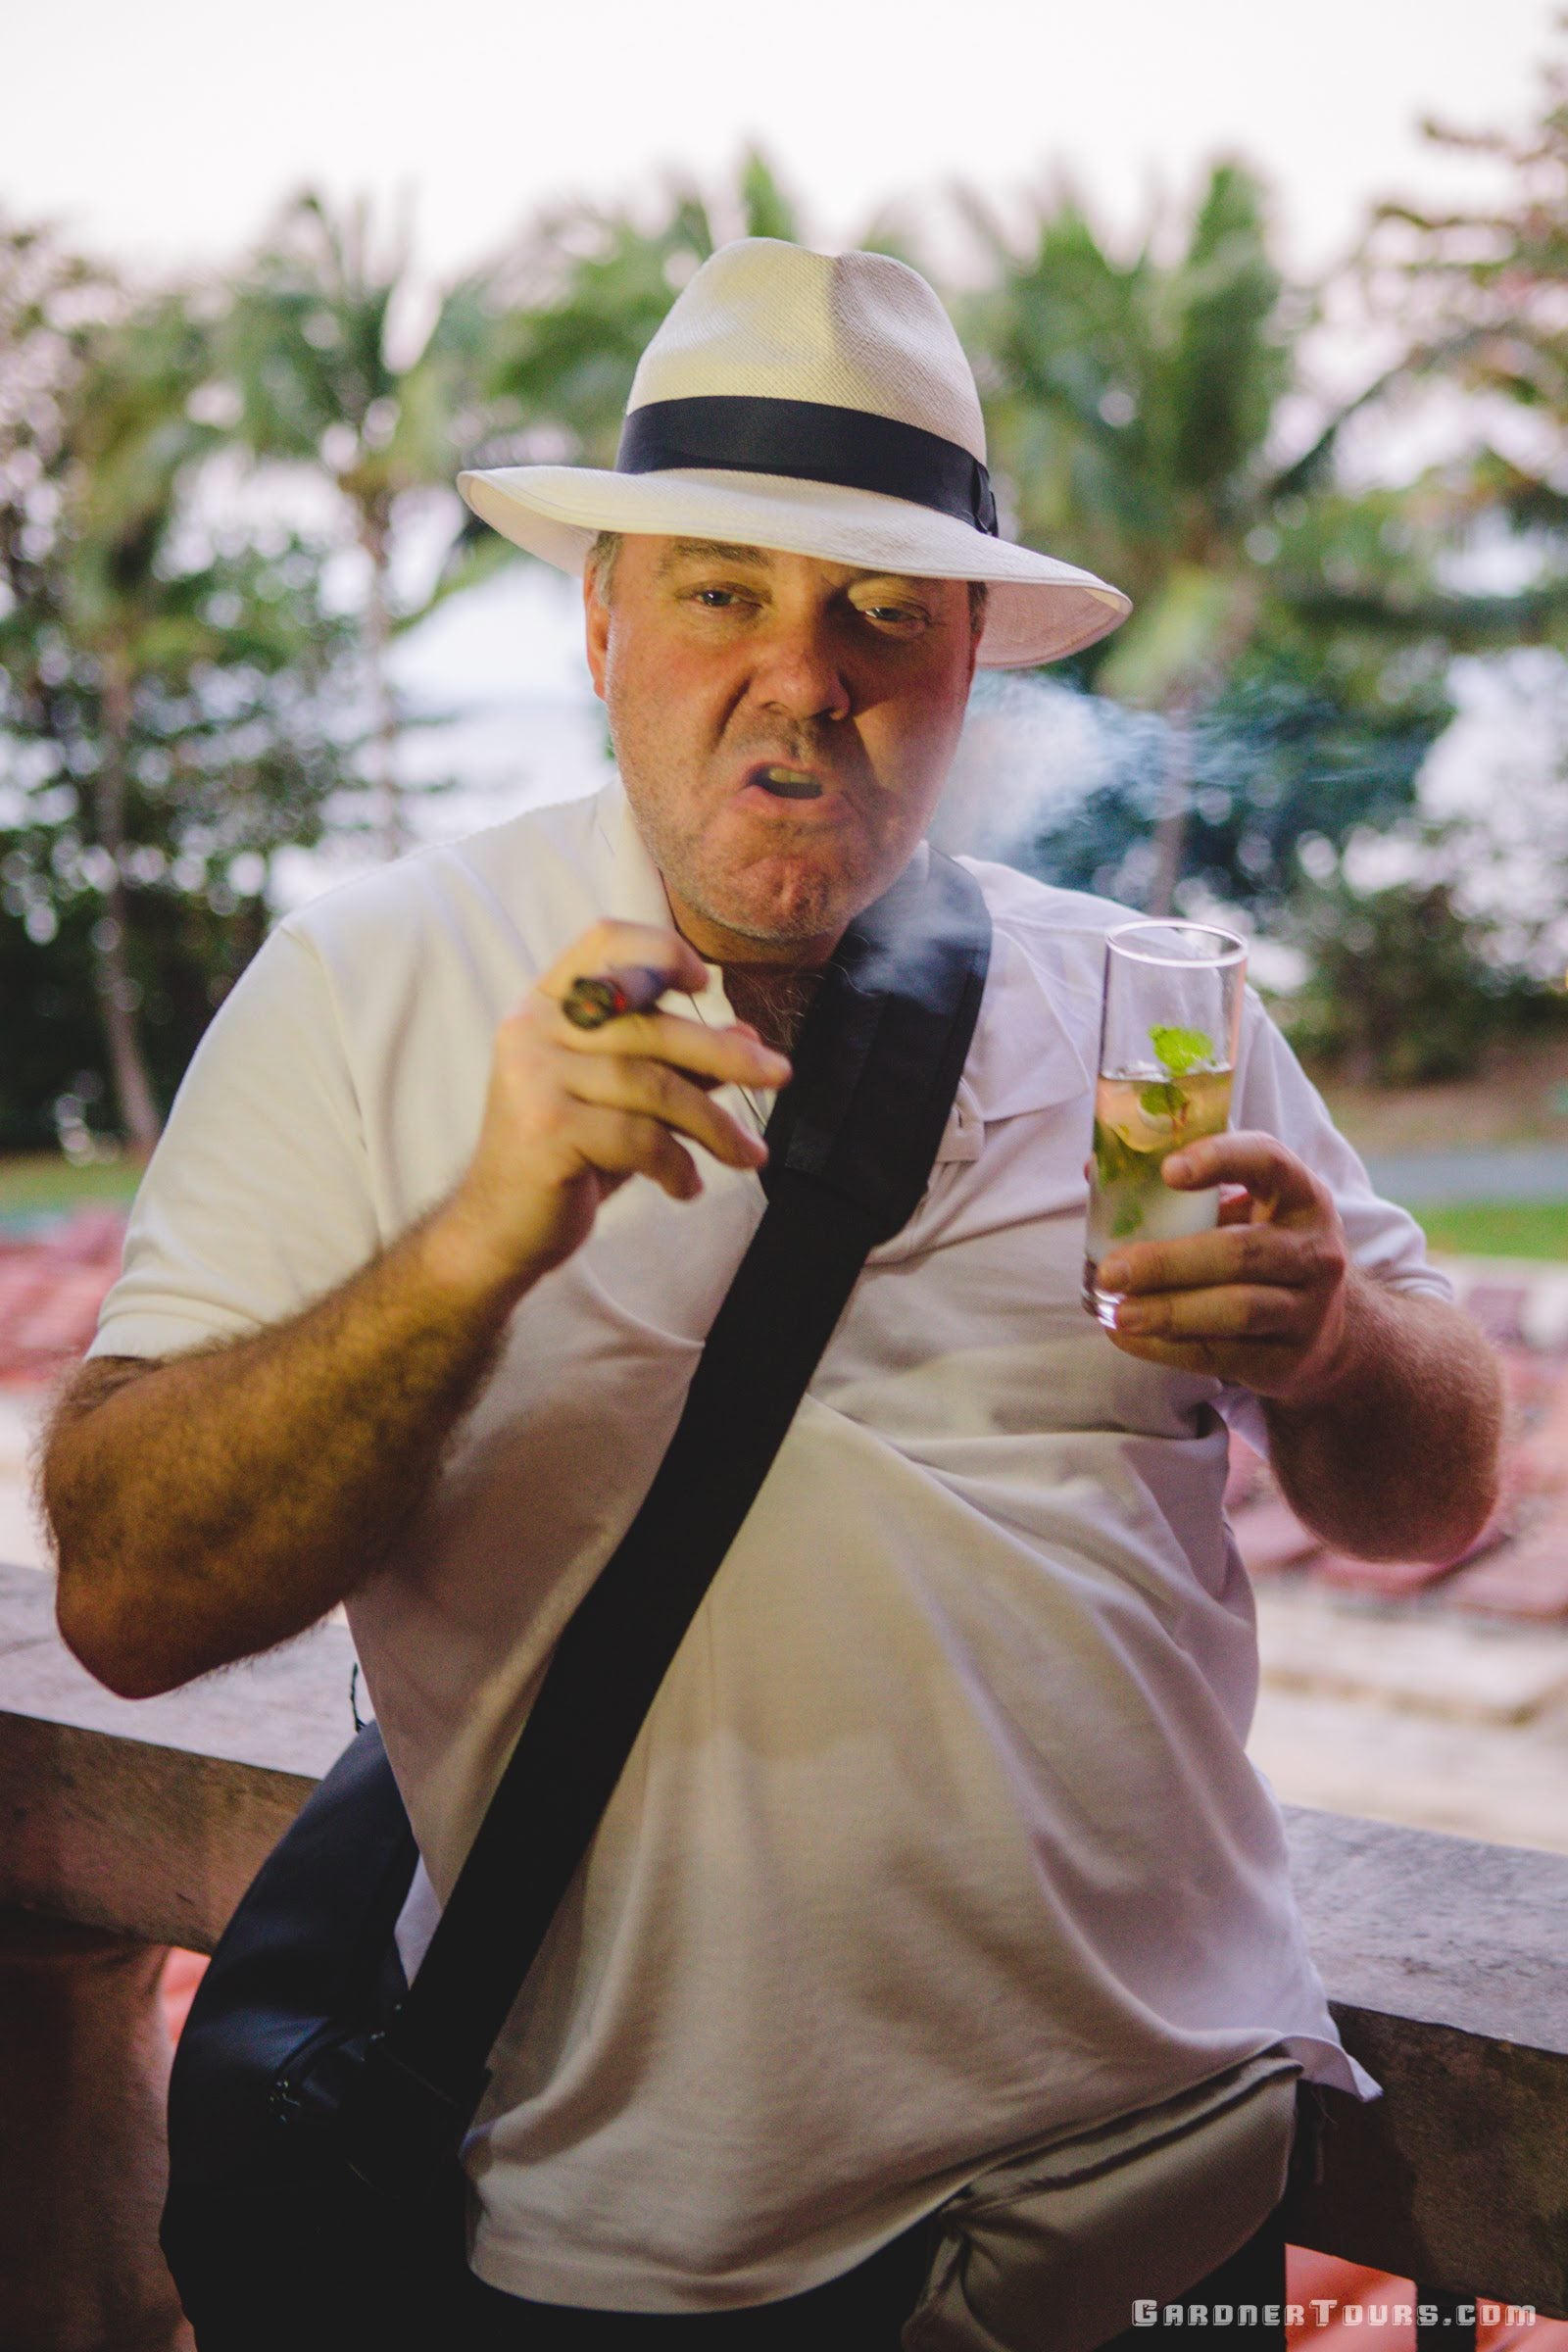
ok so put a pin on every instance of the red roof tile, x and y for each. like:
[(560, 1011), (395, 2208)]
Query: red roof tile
[(1269, 1536), (1518, 1565), (1390, 1580), (1540, 1461), (1348, 2308), (1528, 1578), (1248, 1475), (50, 1289), (1499, 1307)]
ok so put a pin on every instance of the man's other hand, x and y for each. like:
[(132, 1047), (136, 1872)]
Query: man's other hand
[(1263, 1299), (571, 1114)]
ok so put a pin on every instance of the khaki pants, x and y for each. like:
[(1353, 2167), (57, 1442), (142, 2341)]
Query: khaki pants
[(864, 2309)]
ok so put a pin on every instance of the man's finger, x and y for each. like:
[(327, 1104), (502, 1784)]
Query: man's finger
[(611, 946), (654, 1090), (1228, 1311), (727, 1056), (1270, 1171), (1260, 1364), (1230, 1254), (618, 1144)]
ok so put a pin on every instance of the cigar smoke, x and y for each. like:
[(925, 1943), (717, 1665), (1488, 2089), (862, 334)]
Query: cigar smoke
[(1031, 750)]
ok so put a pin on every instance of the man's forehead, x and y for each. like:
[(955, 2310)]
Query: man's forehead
[(677, 551), (674, 553)]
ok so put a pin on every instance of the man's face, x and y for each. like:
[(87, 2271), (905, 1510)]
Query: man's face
[(783, 728)]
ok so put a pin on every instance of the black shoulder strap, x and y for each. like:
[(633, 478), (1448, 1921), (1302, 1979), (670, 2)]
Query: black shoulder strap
[(852, 1143)]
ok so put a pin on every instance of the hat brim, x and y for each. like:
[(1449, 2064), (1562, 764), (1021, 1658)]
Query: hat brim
[(1039, 608)]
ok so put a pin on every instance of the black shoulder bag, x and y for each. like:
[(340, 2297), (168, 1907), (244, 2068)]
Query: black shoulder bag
[(317, 2104)]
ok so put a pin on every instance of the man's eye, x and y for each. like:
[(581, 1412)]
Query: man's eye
[(715, 599), (908, 618)]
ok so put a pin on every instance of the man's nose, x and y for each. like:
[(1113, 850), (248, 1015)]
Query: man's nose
[(800, 672)]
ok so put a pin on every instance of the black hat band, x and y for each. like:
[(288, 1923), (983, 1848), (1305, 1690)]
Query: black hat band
[(744, 433)]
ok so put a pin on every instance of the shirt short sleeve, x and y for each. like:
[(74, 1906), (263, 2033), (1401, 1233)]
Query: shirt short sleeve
[(1275, 1095), (257, 1199)]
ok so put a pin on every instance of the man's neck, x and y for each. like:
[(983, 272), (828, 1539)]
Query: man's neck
[(775, 999)]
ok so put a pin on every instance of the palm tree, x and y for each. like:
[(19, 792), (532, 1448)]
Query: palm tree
[(1132, 409), (581, 296), (314, 343)]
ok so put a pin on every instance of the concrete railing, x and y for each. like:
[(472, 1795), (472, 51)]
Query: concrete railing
[(128, 1826)]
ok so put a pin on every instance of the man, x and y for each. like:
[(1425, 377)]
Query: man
[(940, 1833)]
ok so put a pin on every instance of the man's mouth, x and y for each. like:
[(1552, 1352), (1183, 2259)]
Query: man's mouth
[(787, 783)]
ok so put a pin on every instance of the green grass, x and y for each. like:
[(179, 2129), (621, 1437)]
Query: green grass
[(33, 1183), (1498, 1228)]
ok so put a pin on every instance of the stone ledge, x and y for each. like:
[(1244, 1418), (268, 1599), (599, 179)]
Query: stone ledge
[(1446, 1959), (150, 1816)]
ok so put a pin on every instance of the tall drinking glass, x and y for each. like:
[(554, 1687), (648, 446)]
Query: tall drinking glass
[(1169, 1028)]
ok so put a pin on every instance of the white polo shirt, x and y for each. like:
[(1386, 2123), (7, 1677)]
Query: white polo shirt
[(940, 1833)]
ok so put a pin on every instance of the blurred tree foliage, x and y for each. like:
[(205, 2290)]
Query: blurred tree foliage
[(1406, 984), (168, 697), (1282, 758), (1128, 408), (1400, 990), (182, 954), (183, 696)]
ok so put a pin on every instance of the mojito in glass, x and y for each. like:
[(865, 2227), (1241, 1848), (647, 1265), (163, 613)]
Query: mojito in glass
[(1169, 1031)]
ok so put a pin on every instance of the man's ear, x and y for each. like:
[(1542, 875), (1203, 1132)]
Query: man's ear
[(596, 628)]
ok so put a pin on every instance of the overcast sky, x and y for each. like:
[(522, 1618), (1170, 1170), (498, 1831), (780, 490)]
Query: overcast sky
[(170, 128)]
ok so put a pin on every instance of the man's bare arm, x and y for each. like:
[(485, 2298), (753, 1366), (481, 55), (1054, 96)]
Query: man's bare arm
[(1398, 1459), (215, 1503), (222, 1500), (1384, 1408)]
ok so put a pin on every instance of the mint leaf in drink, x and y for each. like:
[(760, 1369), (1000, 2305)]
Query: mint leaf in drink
[(1181, 1050), (1115, 1160), (1164, 1102)]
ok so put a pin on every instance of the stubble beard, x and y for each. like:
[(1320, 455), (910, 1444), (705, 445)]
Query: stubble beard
[(809, 907), (808, 903)]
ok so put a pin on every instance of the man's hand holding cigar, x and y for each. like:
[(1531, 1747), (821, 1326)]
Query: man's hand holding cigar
[(348, 1405), (572, 1111)]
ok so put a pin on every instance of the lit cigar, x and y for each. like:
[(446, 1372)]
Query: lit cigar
[(601, 997)]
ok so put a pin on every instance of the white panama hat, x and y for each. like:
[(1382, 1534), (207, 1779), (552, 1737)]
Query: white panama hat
[(820, 404)]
